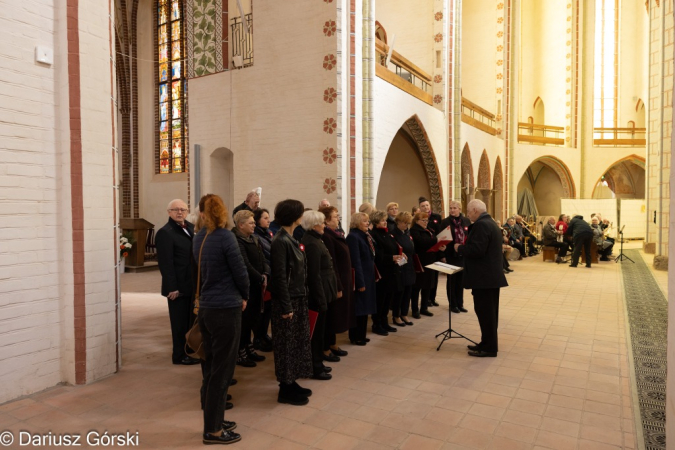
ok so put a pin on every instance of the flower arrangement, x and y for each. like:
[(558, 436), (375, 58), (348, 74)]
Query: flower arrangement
[(125, 244)]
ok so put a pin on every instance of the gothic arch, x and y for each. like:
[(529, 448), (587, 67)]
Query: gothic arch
[(563, 172), (498, 191), (421, 139), (380, 32), (613, 184), (484, 172), (498, 180), (467, 169)]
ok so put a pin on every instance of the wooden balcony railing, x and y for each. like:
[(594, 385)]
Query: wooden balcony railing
[(615, 137), (405, 75), (533, 133), (478, 117)]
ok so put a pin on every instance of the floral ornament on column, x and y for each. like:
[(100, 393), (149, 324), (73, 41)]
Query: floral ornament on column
[(438, 37), (499, 90), (329, 28), (438, 98), (500, 6), (500, 34), (438, 16), (500, 76), (498, 117), (499, 131), (329, 126), (329, 185), (329, 95), (500, 19), (329, 61), (329, 155), (438, 78)]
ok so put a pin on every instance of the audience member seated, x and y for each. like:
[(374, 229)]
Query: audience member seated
[(554, 238), (604, 246), (528, 236), (515, 236), (506, 247)]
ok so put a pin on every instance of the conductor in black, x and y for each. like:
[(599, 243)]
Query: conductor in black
[(484, 275)]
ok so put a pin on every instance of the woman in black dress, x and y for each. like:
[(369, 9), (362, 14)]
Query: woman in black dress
[(362, 253), (401, 303)]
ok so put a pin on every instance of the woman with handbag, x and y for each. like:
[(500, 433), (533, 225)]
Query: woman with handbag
[(223, 288), (290, 314)]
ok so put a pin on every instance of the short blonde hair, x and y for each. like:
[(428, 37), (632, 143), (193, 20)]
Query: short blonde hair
[(366, 208), (242, 216), (312, 218), (404, 217), (356, 219), (391, 205), (455, 203), (377, 217)]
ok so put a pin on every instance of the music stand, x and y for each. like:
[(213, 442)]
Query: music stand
[(621, 256), (447, 334)]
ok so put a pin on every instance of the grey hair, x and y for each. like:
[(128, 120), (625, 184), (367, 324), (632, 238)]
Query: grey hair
[(175, 200), (478, 205), (250, 195), (312, 218), (242, 216)]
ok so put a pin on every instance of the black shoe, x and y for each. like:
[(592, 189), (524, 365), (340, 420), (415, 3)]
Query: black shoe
[(228, 405), (327, 369), (455, 309), (473, 348), (331, 357), (252, 355), (389, 328), (588, 265), (398, 324), (228, 437), (380, 331), (228, 398), (323, 376), (434, 303), (508, 270), (408, 323), (304, 391), (187, 361), (427, 313), (233, 381), (416, 315), (361, 343), (262, 345), (243, 360), (482, 354), (604, 258), (573, 265), (462, 309), (339, 352), (288, 393), (229, 426), (367, 340)]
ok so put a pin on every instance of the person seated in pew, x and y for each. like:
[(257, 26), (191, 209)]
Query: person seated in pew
[(604, 246), (515, 236), (553, 238)]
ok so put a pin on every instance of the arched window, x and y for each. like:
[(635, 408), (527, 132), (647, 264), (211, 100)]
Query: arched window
[(380, 32), (172, 88)]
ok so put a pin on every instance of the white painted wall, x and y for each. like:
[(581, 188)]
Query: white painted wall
[(412, 23), (633, 59), (479, 41), (392, 108)]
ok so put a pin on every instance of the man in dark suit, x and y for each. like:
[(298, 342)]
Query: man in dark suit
[(435, 226), (174, 256), (251, 203), (483, 274)]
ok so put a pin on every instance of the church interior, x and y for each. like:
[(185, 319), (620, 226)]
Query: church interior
[(111, 109)]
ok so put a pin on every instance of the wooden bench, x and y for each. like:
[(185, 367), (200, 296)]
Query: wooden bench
[(594, 254), (549, 253)]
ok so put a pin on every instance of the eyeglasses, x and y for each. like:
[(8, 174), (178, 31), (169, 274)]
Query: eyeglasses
[(423, 220), (178, 210)]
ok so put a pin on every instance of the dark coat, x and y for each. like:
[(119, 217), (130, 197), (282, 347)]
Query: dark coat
[(483, 261), (256, 265), (578, 226), (342, 310), (386, 248), (550, 236), (408, 275), (424, 239), (321, 280), (451, 256), (265, 238), (363, 263), (242, 207), (435, 223), (224, 279), (174, 257), (289, 270), (391, 224)]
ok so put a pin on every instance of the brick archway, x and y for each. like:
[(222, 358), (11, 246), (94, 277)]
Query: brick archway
[(421, 139)]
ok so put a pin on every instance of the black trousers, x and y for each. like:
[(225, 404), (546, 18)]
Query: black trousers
[(519, 246), (455, 289), (562, 247), (401, 302), (418, 304), (317, 343), (584, 240), (329, 332), (505, 262), (250, 318), (220, 329), (263, 326), (180, 315), (486, 306), (434, 288), (384, 298), (358, 333)]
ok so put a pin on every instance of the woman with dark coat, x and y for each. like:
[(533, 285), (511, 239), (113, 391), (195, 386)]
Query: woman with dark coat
[(341, 316), (321, 283), (386, 260), (258, 271), (290, 316), (459, 225), (424, 239), (401, 303), (261, 340), (224, 290), (362, 253)]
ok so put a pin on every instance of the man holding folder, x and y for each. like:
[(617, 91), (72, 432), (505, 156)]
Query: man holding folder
[(484, 275)]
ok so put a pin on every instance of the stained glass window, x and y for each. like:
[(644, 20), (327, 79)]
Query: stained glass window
[(172, 92)]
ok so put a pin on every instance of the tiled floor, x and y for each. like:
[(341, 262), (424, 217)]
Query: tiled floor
[(561, 380)]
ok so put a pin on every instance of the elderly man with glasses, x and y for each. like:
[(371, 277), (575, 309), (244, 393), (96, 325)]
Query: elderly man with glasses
[(174, 256)]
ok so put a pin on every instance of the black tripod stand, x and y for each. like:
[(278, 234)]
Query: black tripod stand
[(621, 256), (447, 334)]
